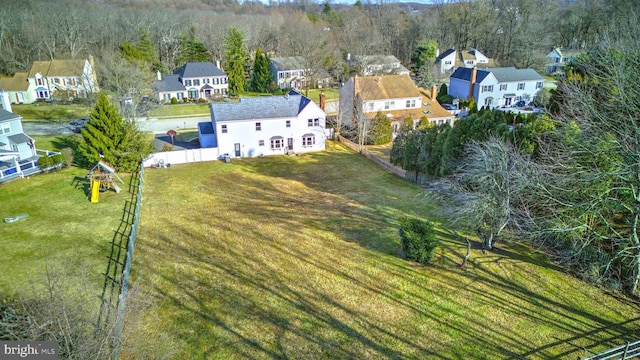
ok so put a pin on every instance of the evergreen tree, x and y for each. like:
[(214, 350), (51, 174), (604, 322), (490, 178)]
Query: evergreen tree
[(425, 53), (380, 131), (192, 49), (236, 58), (111, 138), (261, 77)]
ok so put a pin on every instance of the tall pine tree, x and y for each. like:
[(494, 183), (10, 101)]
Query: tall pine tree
[(261, 77), (192, 49), (236, 58), (110, 138)]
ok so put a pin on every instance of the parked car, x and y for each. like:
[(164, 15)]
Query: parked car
[(79, 124), (449, 107), (520, 103)]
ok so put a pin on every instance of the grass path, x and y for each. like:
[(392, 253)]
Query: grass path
[(298, 257)]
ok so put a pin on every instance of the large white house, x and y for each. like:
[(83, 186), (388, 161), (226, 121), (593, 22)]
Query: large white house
[(263, 126), (395, 96), (17, 150), (497, 87), (193, 80), (292, 73), (62, 78), (452, 58)]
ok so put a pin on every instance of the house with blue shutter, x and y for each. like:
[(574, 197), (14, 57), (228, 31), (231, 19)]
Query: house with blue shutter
[(193, 80), (495, 87)]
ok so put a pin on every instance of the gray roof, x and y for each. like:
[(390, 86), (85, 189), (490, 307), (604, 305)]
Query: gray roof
[(376, 59), (505, 74), (6, 115), (168, 83), (446, 53), (288, 63), (267, 107), (199, 70), (19, 138)]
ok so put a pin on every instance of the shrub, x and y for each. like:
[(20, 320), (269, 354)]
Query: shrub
[(45, 162), (57, 159), (418, 239), (68, 156), (166, 147), (174, 100)]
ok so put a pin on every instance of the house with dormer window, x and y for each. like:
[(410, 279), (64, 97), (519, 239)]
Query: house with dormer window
[(395, 96), (452, 59), (497, 87), (292, 73), (62, 79), (375, 65), (194, 80)]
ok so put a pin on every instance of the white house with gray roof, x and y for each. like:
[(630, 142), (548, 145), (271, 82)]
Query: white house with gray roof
[(263, 126), (18, 153), (194, 80), (495, 87), (291, 73)]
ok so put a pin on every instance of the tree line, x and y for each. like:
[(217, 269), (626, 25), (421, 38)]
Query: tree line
[(164, 35), (567, 181)]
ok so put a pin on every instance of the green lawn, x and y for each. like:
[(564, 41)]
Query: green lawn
[(50, 112), (179, 110), (62, 227), (298, 257)]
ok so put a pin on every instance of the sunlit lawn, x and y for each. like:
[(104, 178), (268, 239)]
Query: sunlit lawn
[(49, 112), (299, 258), (179, 110)]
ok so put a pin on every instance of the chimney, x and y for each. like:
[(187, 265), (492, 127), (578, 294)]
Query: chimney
[(434, 92), (4, 100), (94, 76), (322, 101), (159, 76), (437, 52), (348, 57), (472, 82), (218, 64)]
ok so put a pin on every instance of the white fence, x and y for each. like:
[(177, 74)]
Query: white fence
[(181, 157)]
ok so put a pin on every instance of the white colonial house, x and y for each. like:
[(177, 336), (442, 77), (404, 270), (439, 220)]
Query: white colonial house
[(17, 150), (451, 59), (263, 126), (19, 89), (497, 87), (62, 79), (370, 65), (395, 96), (292, 73), (194, 80), (558, 58)]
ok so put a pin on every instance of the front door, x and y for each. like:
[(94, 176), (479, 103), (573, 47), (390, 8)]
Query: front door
[(290, 143), (507, 101), (237, 148)]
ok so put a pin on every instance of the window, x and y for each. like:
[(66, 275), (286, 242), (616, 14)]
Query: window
[(313, 122), (411, 103), (447, 62), (224, 129), (166, 96), (5, 128), (180, 96), (389, 105), (39, 81), (288, 123), (287, 74), (520, 86), (193, 94), (503, 87), (216, 81), (308, 140), (487, 88), (258, 126), (277, 144), (539, 84), (56, 80), (71, 81), (205, 81), (224, 80), (370, 106), (187, 83), (469, 62), (196, 82), (260, 142)]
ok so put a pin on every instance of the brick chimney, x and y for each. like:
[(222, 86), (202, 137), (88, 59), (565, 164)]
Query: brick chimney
[(472, 82), (434, 92), (322, 101)]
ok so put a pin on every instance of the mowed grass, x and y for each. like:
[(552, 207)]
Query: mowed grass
[(179, 110), (299, 258), (63, 230), (45, 111)]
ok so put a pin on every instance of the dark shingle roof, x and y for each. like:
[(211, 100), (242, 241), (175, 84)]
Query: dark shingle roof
[(168, 83), (446, 53), (199, 69), (508, 74), (6, 115), (288, 63), (267, 107), (19, 138)]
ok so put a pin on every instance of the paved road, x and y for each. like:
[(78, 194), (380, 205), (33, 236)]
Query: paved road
[(157, 126)]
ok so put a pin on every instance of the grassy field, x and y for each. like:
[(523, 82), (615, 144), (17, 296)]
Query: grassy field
[(63, 227), (179, 110), (299, 257), (49, 112)]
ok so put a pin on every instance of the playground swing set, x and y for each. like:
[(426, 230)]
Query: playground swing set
[(102, 177)]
